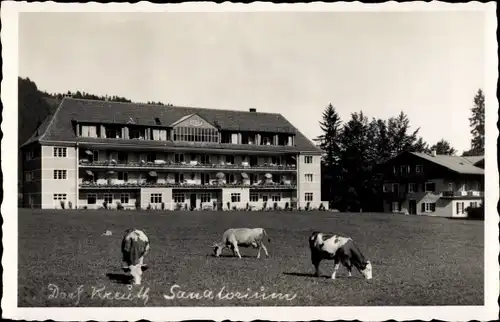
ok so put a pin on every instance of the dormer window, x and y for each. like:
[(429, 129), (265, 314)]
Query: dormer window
[(190, 134), (157, 121)]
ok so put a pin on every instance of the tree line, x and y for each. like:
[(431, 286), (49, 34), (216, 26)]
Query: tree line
[(352, 149)]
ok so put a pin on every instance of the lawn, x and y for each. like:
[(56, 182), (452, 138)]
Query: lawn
[(65, 261)]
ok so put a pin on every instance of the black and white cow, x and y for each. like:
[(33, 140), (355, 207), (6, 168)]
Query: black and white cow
[(243, 237), (135, 245), (341, 250)]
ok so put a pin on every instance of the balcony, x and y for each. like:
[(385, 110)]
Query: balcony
[(161, 164), (462, 194), (188, 186)]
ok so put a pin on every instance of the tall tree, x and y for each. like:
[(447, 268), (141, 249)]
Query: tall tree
[(477, 125), (443, 147), (329, 142), (400, 138)]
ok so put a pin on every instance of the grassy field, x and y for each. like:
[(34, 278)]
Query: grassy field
[(64, 260)]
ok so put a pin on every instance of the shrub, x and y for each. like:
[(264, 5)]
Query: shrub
[(63, 205), (275, 206), (475, 213), (137, 204), (214, 204), (185, 206), (148, 207), (105, 205), (228, 205), (119, 206), (70, 205), (85, 207), (178, 206), (308, 205), (321, 207), (234, 207), (287, 206), (219, 206), (248, 206), (264, 206)]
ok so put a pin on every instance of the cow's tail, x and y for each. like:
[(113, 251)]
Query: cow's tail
[(265, 233)]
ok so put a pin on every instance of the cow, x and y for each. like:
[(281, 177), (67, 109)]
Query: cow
[(243, 237), (135, 245), (341, 250)]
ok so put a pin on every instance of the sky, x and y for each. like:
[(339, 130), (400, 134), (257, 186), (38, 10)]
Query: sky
[(427, 64)]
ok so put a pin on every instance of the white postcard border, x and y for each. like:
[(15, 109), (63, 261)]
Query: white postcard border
[(9, 17)]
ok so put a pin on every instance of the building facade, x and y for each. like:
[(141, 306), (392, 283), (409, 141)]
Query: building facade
[(436, 185), (95, 153)]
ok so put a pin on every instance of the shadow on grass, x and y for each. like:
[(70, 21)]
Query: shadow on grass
[(236, 257), (119, 278)]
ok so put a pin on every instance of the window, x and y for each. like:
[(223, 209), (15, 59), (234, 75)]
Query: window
[(253, 161), (60, 152), (384, 188), (91, 199), (205, 159), (460, 208), (412, 187), (29, 155), (29, 175), (473, 204), (309, 177), (179, 197), (265, 198), (395, 206), (156, 198), (113, 132), (419, 168), (308, 196), (205, 197), (254, 197), (122, 157), (179, 158), (308, 159), (430, 187), (230, 178), (276, 160), (123, 176), (88, 131), (124, 198), (60, 174), (60, 196), (405, 170), (108, 198), (230, 159), (235, 197), (179, 177), (428, 207), (192, 134), (395, 187), (394, 170), (151, 157), (450, 186), (276, 198)]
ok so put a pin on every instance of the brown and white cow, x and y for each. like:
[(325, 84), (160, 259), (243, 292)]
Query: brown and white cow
[(135, 245), (242, 237), (341, 250)]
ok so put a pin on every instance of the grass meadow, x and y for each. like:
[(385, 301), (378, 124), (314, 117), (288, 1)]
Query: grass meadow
[(65, 261)]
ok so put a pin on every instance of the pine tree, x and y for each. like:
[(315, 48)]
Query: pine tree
[(477, 125), (443, 147)]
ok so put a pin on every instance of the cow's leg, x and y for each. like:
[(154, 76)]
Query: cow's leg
[(237, 251), (336, 268), (316, 259), (265, 249), (347, 263)]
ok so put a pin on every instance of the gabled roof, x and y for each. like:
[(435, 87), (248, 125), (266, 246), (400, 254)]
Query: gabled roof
[(58, 127), (464, 165)]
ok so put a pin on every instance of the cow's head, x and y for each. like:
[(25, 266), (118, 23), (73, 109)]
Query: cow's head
[(367, 272), (217, 249), (136, 272)]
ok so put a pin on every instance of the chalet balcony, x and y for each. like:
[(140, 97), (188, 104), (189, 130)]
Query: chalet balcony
[(461, 194), (186, 185), (161, 164)]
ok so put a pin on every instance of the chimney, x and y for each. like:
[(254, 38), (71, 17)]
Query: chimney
[(433, 153), (253, 110)]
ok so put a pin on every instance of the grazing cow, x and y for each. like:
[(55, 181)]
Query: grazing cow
[(135, 245), (341, 250), (243, 237)]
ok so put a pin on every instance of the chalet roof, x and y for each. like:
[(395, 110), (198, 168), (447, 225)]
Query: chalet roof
[(58, 126), (464, 165)]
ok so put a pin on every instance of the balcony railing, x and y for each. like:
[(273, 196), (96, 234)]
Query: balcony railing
[(455, 194), (160, 164), (134, 185)]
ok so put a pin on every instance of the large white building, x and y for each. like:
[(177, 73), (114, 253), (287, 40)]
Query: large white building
[(93, 152)]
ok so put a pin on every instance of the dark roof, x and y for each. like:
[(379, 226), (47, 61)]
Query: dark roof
[(464, 165), (58, 127)]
